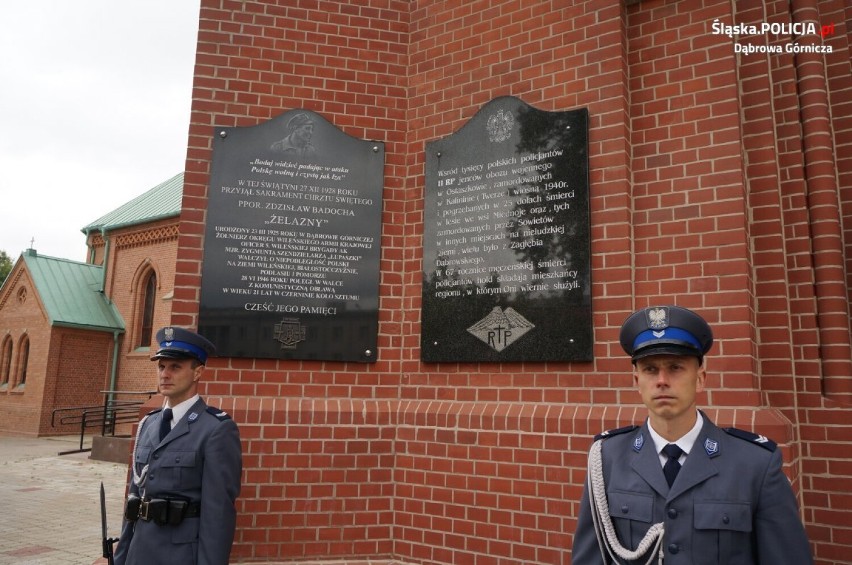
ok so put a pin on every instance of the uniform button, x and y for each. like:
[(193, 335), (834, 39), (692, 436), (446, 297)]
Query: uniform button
[(673, 548), (156, 456), (625, 509), (672, 513), (726, 519), (177, 459)]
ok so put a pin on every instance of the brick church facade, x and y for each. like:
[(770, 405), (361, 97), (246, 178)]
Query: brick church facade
[(721, 180), (70, 331)]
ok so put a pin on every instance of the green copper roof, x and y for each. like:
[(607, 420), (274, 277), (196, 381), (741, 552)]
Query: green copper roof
[(71, 293), (162, 201)]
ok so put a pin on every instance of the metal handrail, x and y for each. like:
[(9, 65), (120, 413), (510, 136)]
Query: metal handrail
[(109, 414), (77, 412)]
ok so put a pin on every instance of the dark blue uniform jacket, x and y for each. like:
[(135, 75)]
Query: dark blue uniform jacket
[(730, 504), (199, 460)]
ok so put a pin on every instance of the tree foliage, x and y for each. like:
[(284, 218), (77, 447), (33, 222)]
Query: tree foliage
[(6, 265)]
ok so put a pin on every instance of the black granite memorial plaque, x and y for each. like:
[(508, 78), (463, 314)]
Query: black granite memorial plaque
[(291, 251), (506, 261)]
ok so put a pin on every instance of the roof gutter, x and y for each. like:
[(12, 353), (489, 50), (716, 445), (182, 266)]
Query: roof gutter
[(131, 223), (113, 375), (104, 263), (71, 325)]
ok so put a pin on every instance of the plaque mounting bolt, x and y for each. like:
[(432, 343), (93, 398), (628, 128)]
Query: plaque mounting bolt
[(223, 134), (368, 352), (375, 148), (439, 153)]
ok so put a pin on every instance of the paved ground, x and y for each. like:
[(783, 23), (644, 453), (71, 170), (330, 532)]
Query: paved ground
[(50, 510)]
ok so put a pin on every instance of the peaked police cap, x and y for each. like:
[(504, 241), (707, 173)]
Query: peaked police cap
[(661, 330), (180, 343)]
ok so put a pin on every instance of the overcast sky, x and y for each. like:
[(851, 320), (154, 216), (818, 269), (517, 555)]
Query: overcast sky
[(94, 109)]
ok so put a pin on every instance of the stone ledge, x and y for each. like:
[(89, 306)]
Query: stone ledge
[(112, 449)]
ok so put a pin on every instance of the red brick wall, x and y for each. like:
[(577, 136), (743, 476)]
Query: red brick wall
[(134, 252), (796, 359), (699, 196), (840, 81), (21, 408), (827, 493), (65, 368), (78, 370)]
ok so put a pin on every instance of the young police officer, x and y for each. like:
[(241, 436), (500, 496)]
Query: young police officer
[(186, 471), (678, 487)]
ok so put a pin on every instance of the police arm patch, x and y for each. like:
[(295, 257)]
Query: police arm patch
[(750, 437)]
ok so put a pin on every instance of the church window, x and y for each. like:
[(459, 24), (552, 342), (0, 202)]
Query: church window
[(5, 363), (23, 359), (149, 293)]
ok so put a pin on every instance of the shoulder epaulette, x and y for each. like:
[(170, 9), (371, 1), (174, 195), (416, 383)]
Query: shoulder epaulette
[(762, 441), (615, 432), (222, 416)]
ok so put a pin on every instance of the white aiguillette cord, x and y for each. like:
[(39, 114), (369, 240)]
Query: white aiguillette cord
[(604, 529), (139, 478)]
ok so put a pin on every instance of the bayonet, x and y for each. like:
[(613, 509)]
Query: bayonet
[(107, 541)]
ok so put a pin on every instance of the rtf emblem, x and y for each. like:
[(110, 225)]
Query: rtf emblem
[(289, 332), (500, 329)]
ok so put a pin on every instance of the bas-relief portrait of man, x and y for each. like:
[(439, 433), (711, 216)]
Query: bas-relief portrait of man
[(300, 130)]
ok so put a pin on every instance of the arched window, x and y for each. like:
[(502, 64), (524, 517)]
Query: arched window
[(147, 299), (5, 362), (23, 358)]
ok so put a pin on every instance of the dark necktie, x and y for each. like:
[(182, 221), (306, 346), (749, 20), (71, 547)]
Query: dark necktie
[(672, 466), (165, 423)]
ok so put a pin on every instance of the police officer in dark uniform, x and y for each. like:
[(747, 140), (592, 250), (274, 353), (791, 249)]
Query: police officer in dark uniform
[(187, 463), (678, 489)]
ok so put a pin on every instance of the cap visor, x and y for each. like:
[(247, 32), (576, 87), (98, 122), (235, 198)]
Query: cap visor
[(171, 354), (666, 349)]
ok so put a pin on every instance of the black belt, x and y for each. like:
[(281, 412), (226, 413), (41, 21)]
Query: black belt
[(168, 510)]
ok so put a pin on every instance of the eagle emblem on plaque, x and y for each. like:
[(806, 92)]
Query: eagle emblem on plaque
[(501, 328), (499, 126), (289, 332)]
